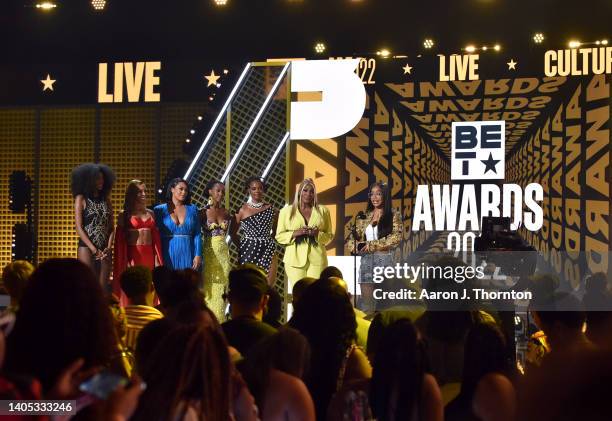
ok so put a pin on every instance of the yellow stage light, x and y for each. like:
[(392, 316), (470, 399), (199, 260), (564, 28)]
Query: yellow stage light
[(604, 42), (428, 43), (538, 38), (384, 53), (497, 47), (220, 2), (46, 5), (98, 4), (470, 49), (319, 48), (574, 44)]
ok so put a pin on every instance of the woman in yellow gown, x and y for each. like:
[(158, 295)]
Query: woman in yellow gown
[(215, 224)]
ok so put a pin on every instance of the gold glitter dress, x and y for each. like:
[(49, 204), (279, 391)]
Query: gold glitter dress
[(216, 266)]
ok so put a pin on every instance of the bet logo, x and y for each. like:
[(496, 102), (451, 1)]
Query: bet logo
[(478, 150)]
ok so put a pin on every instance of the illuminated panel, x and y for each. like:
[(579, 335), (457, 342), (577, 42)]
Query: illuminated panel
[(67, 140), (17, 137)]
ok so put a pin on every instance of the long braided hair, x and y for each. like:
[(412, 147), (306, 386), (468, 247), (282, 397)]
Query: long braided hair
[(190, 367)]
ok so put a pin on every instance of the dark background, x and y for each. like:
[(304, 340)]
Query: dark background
[(197, 35)]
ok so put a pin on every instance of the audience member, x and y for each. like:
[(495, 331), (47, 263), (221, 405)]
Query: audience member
[(568, 390), (15, 277), (597, 302), (326, 318), (188, 377), (120, 325), (162, 282), (184, 287), (331, 271), (299, 288), (391, 310), (150, 337), (137, 284), (562, 319), (363, 325), (63, 316), (274, 311), (248, 297), (486, 394), (273, 370), (542, 287), (444, 334), (120, 405), (400, 388)]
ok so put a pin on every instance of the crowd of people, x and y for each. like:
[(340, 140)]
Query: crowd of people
[(183, 363)]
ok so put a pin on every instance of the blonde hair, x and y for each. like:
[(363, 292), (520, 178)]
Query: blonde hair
[(298, 194), (15, 277)]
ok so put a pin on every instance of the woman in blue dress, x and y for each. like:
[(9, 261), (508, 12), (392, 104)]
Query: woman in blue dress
[(179, 226)]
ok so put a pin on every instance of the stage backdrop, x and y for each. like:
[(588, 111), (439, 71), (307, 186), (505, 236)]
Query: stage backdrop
[(137, 117), (557, 134)]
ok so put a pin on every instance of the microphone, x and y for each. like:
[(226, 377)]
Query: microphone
[(360, 215)]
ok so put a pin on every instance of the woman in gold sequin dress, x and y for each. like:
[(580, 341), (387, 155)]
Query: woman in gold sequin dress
[(215, 225)]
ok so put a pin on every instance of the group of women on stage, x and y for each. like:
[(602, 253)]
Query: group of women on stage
[(180, 236)]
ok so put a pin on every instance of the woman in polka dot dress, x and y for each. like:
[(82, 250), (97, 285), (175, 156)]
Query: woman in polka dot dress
[(258, 221)]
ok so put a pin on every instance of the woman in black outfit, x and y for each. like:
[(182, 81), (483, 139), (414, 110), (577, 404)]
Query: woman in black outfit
[(93, 212)]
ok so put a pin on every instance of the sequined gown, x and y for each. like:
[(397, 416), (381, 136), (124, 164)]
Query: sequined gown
[(256, 243), (96, 222), (217, 264)]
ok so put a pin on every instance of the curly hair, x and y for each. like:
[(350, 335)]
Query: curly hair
[(63, 316), (172, 184), (83, 180), (248, 181), (326, 318)]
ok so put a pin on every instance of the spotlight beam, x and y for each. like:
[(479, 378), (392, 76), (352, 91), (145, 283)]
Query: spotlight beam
[(275, 156)]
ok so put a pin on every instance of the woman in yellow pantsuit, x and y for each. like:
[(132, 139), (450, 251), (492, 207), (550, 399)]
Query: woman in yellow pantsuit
[(304, 228)]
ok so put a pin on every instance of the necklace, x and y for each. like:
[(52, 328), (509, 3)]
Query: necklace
[(253, 204)]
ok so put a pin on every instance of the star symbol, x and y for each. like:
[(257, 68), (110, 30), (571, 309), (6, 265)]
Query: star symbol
[(212, 79), (490, 163), (512, 64), (407, 69), (48, 83)]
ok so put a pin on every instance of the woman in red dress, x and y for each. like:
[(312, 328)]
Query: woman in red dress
[(137, 240)]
